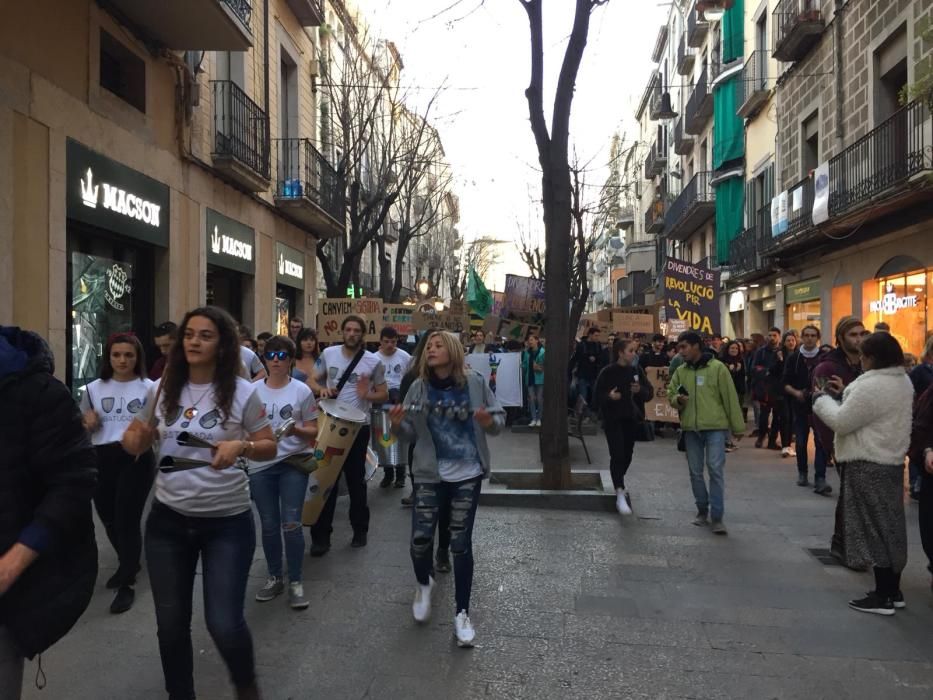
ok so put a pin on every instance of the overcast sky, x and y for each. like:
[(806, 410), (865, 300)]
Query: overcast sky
[(480, 51)]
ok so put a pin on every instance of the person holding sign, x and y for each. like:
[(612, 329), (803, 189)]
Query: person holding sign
[(109, 405), (448, 411), (622, 389), (351, 374)]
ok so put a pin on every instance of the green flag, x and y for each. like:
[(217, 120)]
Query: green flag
[(478, 297)]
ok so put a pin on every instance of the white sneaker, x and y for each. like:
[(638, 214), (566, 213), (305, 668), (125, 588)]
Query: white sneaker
[(463, 628), (791, 452), (296, 596), (274, 587), (785, 452), (622, 504), (421, 608)]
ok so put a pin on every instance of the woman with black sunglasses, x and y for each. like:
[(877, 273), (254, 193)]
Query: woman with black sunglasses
[(277, 487), (109, 405), (203, 513)]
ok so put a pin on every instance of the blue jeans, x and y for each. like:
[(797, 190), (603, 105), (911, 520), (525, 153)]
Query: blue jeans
[(174, 543), (802, 435), (461, 498), (535, 399), (709, 447), (585, 389), (279, 494)]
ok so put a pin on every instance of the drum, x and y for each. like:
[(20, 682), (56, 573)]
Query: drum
[(338, 425), (390, 451)]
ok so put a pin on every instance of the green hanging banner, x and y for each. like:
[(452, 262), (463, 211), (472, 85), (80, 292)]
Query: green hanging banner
[(733, 32), (730, 196)]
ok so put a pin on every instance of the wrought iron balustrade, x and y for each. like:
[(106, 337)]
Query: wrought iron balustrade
[(302, 171), (241, 127)]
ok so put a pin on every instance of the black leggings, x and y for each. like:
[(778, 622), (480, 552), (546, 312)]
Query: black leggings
[(926, 515), (621, 439), (887, 583), (123, 484)]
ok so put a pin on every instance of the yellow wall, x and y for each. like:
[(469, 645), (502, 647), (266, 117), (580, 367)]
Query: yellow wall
[(760, 134)]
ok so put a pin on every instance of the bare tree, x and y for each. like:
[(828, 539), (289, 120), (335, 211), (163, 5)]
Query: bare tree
[(556, 197), (480, 254)]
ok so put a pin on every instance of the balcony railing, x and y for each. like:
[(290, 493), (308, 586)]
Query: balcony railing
[(800, 218), (755, 85), (241, 128), (693, 207), (243, 9), (656, 161), (303, 172), (683, 142), (654, 103), (797, 26), (686, 58), (654, 217), (743, 252), (895, 150), (697, 29), (699, 106), (309, 13)]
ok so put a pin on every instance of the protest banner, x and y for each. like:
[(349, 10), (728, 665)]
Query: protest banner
[(691, 294), (630, 324), (658, 408), (331, 313), (588, 321), (523, 295), (443, 321), (491, 324), (503, 374), (515, 330), (399, 317)]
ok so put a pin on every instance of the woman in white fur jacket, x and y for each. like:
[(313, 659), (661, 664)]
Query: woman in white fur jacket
[(872, 426)]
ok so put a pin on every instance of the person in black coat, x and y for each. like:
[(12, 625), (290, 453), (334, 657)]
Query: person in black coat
[(48, 476), (764, 378), (588, 359)]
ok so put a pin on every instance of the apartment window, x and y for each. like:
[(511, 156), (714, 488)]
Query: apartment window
[(122, 72), (229, 65), (810, 143), (288, 97), (761, 32), (890, 71)]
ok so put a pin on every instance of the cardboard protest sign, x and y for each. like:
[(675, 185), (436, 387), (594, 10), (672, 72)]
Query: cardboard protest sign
[(455, 323), (515, 330), (658, 408), (331, 313), (629, 323), (691, 294), (523, 295), (591, 320), (503, 374), (491, 324), (399, 317)]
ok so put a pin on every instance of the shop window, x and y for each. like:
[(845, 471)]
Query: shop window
[(841, 305), (810, 143), (901, 302), (122, 72)]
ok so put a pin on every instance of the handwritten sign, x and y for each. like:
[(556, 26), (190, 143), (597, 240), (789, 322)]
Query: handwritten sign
[(331, 313), (691, 294), (441, 321), (523, 295), (633, 323), (515, 330), (658, 408), (399, 317)]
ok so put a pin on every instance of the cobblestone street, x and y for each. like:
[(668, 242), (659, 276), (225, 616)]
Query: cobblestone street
[(567, 604)]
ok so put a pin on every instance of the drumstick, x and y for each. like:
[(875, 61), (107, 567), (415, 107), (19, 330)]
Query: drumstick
[(153, 422)]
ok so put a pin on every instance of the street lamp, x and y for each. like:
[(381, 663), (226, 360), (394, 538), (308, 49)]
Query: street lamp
[(439, 305), (424, 287)]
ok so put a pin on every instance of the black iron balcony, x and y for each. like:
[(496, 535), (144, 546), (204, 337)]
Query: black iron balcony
[(309, 13), (241, 136), (800, 207), (216, 25), (654, 103), (699, 106), (683, 142), (743, 252), (756, 84), (694, 206), (308, 188), (656, 161), (697, 29), (686, 58), (889, 154), (797, 26), (654, 217)]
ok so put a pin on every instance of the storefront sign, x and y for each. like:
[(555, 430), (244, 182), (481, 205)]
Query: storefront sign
[(230, 244), (691, 293), (821, 194), (736, 302), (399, 317), (112, 196), (523, 295), (629, 323), (802, 291), (331, 313), (658, 408), (890, 303), (289, 266)]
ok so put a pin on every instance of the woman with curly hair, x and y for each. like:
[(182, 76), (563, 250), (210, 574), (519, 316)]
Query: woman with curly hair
[(203, 513)]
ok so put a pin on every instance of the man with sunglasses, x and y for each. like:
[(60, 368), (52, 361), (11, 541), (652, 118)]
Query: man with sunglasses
[(365, 385)]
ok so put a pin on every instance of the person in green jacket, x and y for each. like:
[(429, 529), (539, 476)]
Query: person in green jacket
[(702, 390), (533, 376)]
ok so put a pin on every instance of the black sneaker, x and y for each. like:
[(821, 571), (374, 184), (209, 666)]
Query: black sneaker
[(123, 600), (898, 601), (802, 480), (388, 478), (773, 446), (873, 603), (359, 540), (408, 501), (319, 546), (120, 578), (442, 562), (399, 478)]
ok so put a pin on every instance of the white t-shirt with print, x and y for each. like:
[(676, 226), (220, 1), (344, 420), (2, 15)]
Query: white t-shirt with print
[(251, 364), (294, 400), (333, 363), (395, 366), (116, 405), (204, 491)]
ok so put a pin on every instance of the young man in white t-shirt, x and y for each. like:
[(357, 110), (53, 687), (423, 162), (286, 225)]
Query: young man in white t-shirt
[(365, 385), (395, 362)]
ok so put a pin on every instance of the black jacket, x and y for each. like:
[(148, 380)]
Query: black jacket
[(629, 407), (921, 377), (736, 367), (655, 359), (48, 474), (766, 374), (589, 368), (798, 373)]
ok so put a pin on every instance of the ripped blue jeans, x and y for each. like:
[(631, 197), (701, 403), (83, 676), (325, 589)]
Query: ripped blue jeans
[(461, 499)]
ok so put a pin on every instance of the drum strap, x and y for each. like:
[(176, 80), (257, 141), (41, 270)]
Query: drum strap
[(349, 370)]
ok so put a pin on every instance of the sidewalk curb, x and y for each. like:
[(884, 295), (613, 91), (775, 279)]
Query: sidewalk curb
[(500, 495)]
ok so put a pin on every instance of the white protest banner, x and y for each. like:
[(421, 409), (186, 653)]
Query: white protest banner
[(821, 194), (658, 408), (503, 374)]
